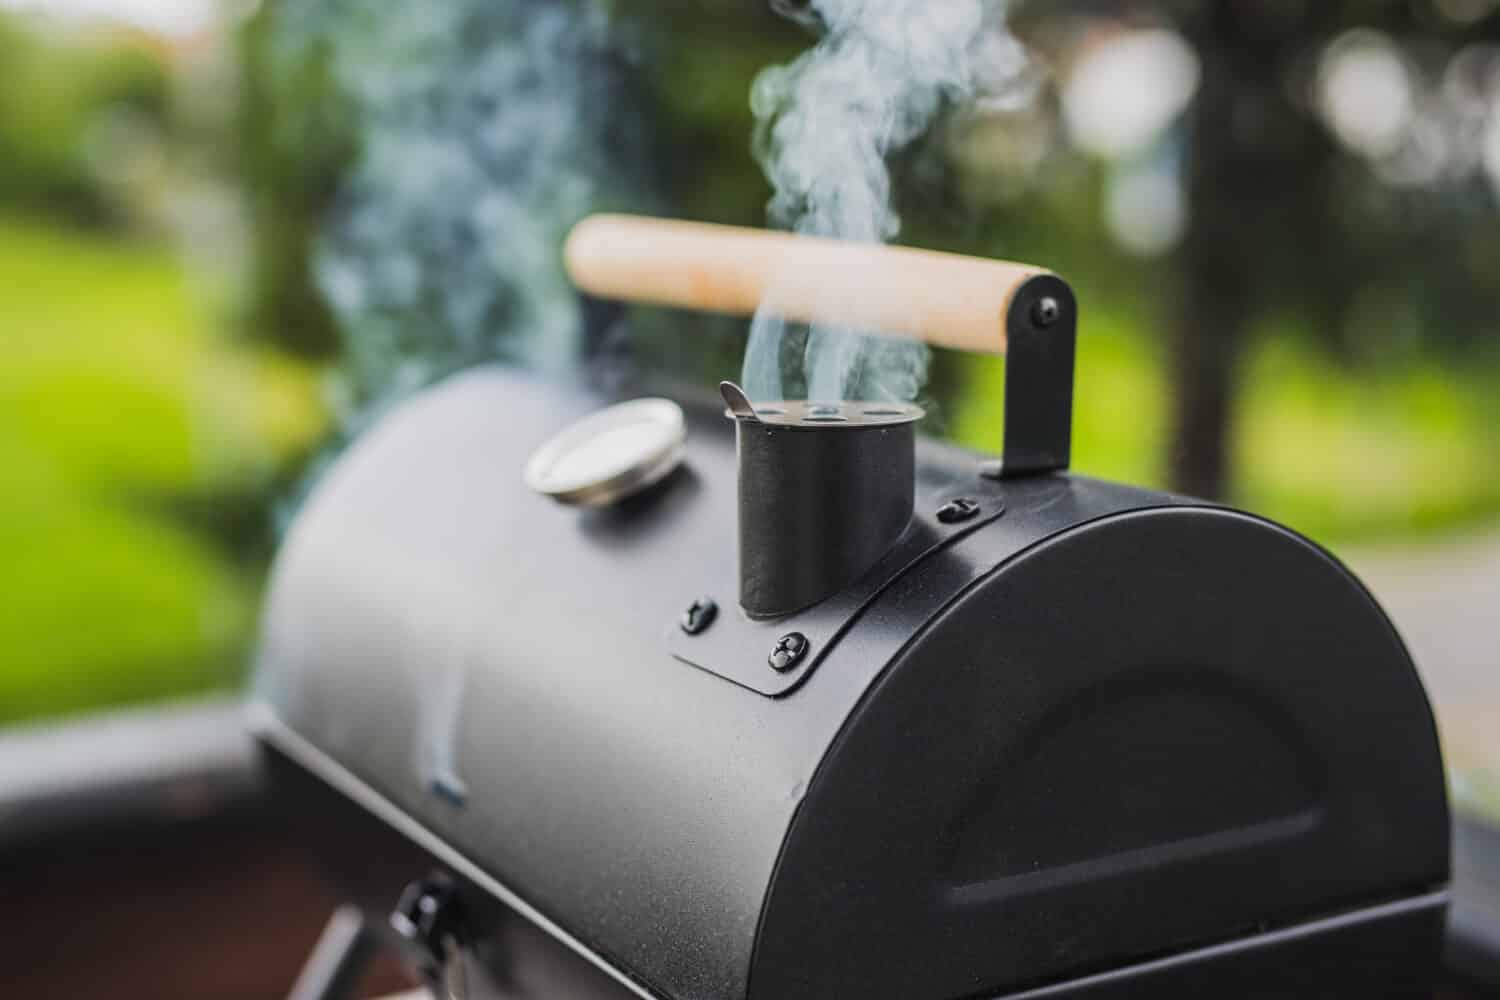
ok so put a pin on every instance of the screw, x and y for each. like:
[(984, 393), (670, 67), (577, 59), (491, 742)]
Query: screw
[(788, 652), (1045, 311), (428, 919), (426, 913), (958, 510), (699, 615)]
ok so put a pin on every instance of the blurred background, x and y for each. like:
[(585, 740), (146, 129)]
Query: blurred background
[(233, 232)]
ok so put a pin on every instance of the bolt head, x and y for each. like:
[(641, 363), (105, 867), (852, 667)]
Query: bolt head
[(425, 913), (699, 615), (958, 510), (788, 651), (1045, 311)]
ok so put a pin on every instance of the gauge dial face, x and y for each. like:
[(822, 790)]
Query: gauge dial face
[(611, 454)]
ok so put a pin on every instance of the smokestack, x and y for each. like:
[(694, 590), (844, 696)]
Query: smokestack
[(824, 491)]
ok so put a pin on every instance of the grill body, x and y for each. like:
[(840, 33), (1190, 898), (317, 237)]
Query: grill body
[(1097, 739)]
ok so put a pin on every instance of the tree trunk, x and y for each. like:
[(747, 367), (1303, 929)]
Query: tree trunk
[(1229, 209), (1213, 312), (1206, 338)]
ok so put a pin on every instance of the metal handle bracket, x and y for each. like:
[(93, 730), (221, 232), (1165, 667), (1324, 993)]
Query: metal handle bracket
[(1041, 337)]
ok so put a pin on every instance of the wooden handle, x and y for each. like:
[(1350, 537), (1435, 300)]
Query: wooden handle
[(945, 299)]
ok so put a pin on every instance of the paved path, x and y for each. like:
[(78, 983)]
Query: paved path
[(1445, 599)]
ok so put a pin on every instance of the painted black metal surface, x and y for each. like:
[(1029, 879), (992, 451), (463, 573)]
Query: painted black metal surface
[(1154, 730), (506, 953), (1000, 774), (825, 491), (1041, 336), (819, 505), (736, 646), (431, 622), (1386, 950)]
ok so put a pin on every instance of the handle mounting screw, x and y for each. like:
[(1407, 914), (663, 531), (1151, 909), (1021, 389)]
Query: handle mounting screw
[(1045, 311)]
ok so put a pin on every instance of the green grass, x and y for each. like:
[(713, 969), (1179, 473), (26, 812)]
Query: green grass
[(1400, 452), (117, 399), (1336, 454)]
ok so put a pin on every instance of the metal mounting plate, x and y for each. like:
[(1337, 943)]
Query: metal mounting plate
[(736, 647)]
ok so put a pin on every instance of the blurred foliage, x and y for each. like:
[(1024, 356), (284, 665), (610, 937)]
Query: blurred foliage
[(293, 144), (141, 448), (1355, 312), (72, 117), (692, 63), (132, 440)]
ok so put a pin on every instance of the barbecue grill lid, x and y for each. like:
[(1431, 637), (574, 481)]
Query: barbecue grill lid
[(926, 815)]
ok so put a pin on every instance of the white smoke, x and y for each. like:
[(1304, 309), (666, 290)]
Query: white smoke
[(827, 124), (486, 129)]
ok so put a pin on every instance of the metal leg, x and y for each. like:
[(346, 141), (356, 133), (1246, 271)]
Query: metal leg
[(340, 956)]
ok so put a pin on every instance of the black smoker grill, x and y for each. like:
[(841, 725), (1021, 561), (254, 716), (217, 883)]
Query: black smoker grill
[(942, 729)]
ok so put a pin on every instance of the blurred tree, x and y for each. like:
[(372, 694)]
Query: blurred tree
[(74, 115), (1285, 221), (294, 144), (1254, 173)]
